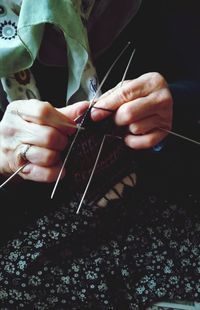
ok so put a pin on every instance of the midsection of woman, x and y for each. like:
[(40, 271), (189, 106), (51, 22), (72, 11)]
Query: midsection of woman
[(106, 258)]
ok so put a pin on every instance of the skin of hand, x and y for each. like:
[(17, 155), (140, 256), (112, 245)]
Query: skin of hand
[(44, 128), (144, 105)]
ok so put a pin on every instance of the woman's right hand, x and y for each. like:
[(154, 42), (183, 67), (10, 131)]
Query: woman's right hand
[(44, 128)]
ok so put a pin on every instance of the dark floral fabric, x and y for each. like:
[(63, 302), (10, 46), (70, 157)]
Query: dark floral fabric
[(125, 256)]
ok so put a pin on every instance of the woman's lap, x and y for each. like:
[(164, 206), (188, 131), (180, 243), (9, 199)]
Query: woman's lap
[(126, 256)]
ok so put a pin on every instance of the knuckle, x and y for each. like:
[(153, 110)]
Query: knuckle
[(156, 76), (51, 136), (126, 93), (157, 80), (5, 147), (13, 105), (165, 95), (125, 115), (164, 99), (55, 141), (43, 109), (34, 101), (52, 157), (7, 130), (122, 95)]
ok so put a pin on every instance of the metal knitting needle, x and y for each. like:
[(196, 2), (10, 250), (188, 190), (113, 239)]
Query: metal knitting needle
[(78, 131), (180, 136), (108, 73), (13, 175), (93, 169), (103, 140), (21, 167), (75, 126), (91, 175), (99, 152), (122, 81), (127, 67), (53, 122)]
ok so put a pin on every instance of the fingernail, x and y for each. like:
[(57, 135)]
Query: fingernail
[(95, 114)]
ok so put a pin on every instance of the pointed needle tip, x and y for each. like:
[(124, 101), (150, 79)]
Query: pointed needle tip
[(13, 175)]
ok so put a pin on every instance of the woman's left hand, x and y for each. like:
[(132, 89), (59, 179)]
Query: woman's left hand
[(144, 105)]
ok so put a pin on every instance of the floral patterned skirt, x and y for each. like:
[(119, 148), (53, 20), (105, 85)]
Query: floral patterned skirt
[(135, 252)]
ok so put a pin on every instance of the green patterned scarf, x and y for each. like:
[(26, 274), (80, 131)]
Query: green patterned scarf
[(21, 31)]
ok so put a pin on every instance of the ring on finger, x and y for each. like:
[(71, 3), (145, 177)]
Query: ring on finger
[(23, 152)]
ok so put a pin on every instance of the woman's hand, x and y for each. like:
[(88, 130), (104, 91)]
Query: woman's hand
[(42, 127), (143, 105)]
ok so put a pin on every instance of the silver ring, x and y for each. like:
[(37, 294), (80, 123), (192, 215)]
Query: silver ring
[(24, 152)]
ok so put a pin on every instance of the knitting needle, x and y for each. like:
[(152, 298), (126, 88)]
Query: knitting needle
[(127, 67), (103, 140), (91, 175), (54, 122), (13, 175), (23, 166), (180, 136), (108, 73), (78, 131), (99, 152)]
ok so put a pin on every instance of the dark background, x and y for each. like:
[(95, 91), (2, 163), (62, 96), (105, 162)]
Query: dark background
[(166, 35)]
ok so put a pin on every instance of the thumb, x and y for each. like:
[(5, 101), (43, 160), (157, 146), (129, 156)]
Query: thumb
[(75, 110)]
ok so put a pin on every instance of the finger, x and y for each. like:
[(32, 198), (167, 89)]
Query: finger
[(42, 113), (18, 156), (145, 141), (75, 110), (42, 156), (159, 102), (137, 88), (110, 91), (42, 136), (41, 174), (148, 124), (107, 93)]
